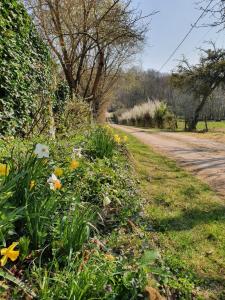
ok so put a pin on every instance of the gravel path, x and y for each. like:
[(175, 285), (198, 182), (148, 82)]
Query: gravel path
[(205, 158)]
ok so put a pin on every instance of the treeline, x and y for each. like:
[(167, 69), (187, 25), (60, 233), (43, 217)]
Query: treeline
[(182, 98)]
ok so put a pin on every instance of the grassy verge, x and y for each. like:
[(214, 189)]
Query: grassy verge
[(186, 222)]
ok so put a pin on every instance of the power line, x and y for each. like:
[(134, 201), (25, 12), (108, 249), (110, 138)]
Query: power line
[(186, 36)]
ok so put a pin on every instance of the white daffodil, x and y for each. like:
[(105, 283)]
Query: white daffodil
[(41, 151), (54, 182), (77, 152), (106, 201)]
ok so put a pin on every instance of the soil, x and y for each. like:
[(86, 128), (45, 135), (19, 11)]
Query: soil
[(203, 157)]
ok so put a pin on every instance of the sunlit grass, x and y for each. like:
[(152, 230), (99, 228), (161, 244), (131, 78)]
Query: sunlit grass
[(212, 125), (187, 218)]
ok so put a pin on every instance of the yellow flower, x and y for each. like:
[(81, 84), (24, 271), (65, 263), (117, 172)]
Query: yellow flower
[(117, 138), (4, 170), (109, 257), (58, 171), (74, 164), (107, 127), (32, 184), (9, 253)]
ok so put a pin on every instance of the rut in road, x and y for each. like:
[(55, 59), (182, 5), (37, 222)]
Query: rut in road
[(203, 157)]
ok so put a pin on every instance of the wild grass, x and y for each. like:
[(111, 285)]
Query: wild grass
[(148, 114), (140, 111)]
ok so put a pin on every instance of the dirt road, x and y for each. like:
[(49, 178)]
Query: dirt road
[(205, 158)]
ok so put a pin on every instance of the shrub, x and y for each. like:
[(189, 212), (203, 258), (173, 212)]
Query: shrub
[(159, 115), (72, 115)]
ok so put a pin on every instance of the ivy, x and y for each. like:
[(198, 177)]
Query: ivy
[(25, 66)]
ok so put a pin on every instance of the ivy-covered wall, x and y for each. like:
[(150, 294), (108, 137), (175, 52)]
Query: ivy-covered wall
[(24, 69)]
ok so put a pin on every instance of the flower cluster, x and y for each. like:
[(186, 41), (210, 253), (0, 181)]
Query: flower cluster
[(42, 151), (118, 139)]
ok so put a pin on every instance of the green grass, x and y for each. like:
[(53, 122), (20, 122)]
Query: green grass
[(188, 221), (212, 125)]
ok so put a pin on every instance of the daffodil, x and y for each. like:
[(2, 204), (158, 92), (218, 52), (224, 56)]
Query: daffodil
[(107, 127), (117, 138), (54, 182), (32, 184), (4, 170), (9, 253), (58, 171), (106, 201), (109, 257), (74, 164), (41, 151), (77, 152)]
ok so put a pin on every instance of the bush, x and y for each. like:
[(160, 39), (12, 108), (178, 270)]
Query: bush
[(71, 116)]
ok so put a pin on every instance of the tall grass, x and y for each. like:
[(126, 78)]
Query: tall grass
[(149, 114)]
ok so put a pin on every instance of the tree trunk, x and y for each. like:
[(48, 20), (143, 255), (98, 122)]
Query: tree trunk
[(193, 123), (206, 124)]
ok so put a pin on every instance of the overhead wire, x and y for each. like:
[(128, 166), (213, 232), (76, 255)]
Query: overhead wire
[(186, 36)]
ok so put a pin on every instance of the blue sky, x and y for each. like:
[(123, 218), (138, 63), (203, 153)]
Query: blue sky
[(168, 27)]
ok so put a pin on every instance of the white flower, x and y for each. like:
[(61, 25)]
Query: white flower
[(41, 151), (54, 182), (106, 201), (77, 152)]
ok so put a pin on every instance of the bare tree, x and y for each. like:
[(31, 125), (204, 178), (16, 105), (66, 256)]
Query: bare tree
[(216, 11), (91, 40)]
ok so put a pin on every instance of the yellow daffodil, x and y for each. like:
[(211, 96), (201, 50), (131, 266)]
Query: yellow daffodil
[(58, 171), (117, 138), (9, 253), (107, 127), (109, 257), (32, 184), (54, 182), (4, 170), (74, 164)]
